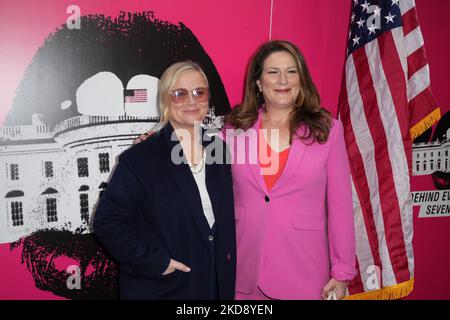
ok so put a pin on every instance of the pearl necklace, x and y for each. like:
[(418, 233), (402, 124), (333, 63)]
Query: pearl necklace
[(197, 168)]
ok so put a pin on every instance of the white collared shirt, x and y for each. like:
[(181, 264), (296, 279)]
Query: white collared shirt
[(198, 172)]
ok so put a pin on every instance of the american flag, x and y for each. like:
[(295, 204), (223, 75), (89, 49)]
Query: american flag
[(385, 102), (135, 95)]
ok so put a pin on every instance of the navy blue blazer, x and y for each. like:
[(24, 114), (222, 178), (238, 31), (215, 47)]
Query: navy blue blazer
[(151, 212)]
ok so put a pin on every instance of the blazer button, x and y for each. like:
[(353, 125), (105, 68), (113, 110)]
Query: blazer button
[(267, 198), (210, 238)]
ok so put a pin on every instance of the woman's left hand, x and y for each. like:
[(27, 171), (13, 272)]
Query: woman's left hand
[(143, 136), (339, 288)]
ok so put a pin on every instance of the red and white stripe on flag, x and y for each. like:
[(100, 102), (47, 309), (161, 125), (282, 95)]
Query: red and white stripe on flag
[(385, 102)]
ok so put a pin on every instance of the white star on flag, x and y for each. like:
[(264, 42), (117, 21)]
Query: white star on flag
[(389, 18), (372, 28), (356, 40), (365, 5), (394, 2), (360, 23)]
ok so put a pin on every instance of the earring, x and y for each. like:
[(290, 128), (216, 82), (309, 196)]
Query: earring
[(260, 97)]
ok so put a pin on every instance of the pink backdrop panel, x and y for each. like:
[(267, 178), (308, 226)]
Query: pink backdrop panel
[(431, 237)]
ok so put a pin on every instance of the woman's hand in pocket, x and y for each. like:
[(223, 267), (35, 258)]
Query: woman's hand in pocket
[(175, 265)]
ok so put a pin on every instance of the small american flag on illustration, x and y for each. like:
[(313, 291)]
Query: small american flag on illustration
[(135, 95)]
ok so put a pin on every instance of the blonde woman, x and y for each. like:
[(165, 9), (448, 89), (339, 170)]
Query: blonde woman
[(170, 223)]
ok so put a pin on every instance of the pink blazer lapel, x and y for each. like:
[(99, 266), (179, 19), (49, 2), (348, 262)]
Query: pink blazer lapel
[(294, 160), (255, 168)]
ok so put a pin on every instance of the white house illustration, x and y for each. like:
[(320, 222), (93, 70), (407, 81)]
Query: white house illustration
[(432, 156), (52, 177)]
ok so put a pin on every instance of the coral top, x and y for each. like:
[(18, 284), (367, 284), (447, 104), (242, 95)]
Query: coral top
[(269, 178)]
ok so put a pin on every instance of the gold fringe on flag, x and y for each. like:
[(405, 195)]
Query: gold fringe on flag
[(425, 123), (394, 292)]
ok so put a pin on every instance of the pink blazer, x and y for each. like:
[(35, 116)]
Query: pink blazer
[(291, 240)]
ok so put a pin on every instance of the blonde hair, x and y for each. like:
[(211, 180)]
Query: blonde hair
[(168, 78)]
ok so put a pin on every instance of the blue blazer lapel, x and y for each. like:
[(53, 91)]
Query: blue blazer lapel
[(187, 186)]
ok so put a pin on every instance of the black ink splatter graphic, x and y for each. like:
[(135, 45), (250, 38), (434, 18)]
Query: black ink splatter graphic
[(41, 249), (133, 43)]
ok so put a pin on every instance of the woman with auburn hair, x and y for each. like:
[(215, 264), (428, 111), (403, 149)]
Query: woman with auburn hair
[(293, 207)]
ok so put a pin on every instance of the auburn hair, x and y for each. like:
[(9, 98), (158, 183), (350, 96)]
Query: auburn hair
[(307, 110)]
